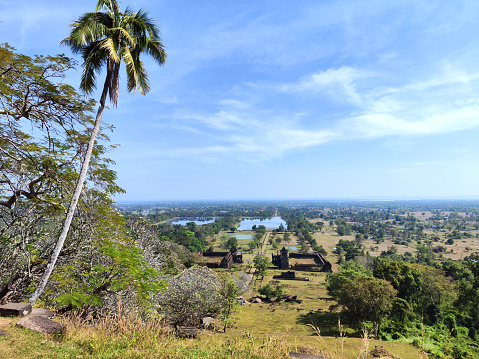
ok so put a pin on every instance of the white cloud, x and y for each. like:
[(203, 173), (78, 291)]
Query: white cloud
[(340, 84), (253, 125)]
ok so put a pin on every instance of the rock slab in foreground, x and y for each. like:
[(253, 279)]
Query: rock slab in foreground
[(305, 356), (41, 312), (3, 333), (15, 309), (40, 324)]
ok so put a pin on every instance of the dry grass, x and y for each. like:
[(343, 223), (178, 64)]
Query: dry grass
[(261, 333)]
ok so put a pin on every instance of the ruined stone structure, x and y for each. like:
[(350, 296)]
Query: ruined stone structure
[(320, 262), (228, 258), (290, 275), (281, 260)]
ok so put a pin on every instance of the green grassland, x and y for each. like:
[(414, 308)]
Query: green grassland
[(262, 330)]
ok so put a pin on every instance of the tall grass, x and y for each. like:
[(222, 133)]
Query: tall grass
[(130, 335)]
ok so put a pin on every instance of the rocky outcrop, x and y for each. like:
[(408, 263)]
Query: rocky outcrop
[(15, 309), (40, 324)]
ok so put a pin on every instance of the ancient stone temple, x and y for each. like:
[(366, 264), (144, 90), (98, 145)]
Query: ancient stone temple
[(304, 261), (222, 259)]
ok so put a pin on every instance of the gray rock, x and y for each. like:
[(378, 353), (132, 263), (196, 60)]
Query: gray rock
[(40, 324), (3, 333), (41, 312), (15, 309), (305, 356)]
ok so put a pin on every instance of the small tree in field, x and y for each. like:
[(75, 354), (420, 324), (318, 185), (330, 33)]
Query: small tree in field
[(261, 263), (229, 293)]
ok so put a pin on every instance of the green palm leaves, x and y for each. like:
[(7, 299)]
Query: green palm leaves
[(105, 38)]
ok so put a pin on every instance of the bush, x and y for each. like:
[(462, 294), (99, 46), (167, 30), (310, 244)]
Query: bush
[(193, 294), (269, 292)]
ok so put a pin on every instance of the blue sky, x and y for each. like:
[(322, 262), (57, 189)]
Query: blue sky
[(282, 100)]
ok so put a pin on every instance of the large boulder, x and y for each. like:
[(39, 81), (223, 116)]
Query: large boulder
[(15, 309), (40, 324)]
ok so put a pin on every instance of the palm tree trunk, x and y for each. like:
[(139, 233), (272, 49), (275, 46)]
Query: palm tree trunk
[(76, 195)]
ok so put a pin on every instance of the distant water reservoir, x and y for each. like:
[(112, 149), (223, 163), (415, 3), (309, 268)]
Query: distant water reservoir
[(198, 220), (247, 223), (242, 236)]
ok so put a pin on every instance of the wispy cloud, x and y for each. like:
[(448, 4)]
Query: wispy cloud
[(340, 84), (439, 105)]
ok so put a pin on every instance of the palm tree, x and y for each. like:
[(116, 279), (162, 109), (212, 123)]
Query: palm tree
[(105, 39)]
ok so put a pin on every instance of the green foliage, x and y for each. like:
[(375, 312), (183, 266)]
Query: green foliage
[(348, 271), (42, 144), (405, 279), (349, 248), (269, 291), (261, 264), (112, 36), (367, 299), (113, 265), (230, 243), (229, 293)]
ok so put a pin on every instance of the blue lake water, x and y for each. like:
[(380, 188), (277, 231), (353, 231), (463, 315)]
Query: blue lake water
[(242, 236), (198, 220), (270, 223), (293, 248)]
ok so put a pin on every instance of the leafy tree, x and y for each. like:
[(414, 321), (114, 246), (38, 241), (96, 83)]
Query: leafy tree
[(367, 299), (287, 237), (358, 239), (348, 271), (114, 264), (424, 255), (261, 264), (269, 291), (350, 249), (43, 127), (230, 243), (252, 245), (320, 226), (438, 291), (304, 248), (229, 293), (104, 39), (405, 279)]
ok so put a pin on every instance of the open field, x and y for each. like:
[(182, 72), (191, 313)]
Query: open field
[(88, 343), (300, 324)]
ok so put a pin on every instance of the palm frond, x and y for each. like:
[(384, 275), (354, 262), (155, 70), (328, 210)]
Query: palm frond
[(131, 75), (110, 47), (156, 50), (142, 83), (95, 59), (90, 27), (108, 36)]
